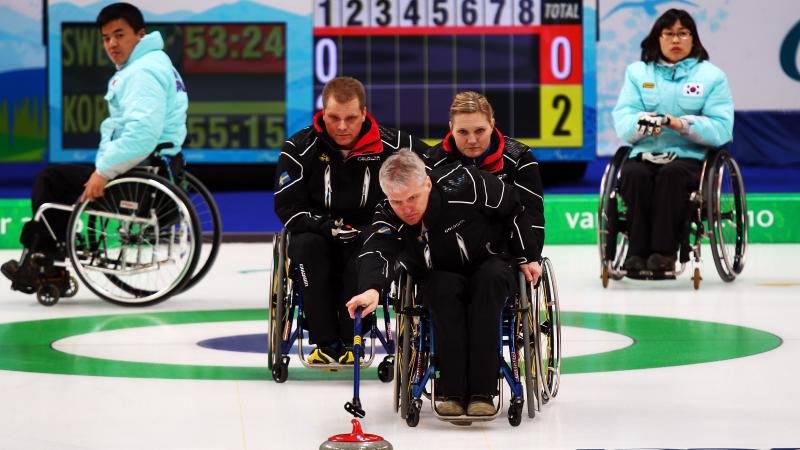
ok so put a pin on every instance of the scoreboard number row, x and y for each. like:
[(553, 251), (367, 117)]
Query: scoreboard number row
[(426, 13)]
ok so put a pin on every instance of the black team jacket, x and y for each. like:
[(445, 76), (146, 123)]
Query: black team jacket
[(471, 215), (511, 161), (315, 184)]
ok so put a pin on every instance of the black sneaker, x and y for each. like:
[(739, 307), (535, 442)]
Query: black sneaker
[(10, 269), (325, 354), (634, 263), (348, 357), (661, 263)]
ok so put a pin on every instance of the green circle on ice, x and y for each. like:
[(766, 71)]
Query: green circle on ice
[(656, 342)]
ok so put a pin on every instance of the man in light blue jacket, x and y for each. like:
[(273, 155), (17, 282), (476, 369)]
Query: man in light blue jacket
[(674, 106), (147, 105)]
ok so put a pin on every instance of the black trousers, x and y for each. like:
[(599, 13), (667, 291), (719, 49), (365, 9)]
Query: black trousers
[(466, 311), (328, 278), (657, 201), (58, 183)]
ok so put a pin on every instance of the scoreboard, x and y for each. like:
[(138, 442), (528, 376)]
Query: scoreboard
[(413, 56), (246, 66), (255, 69), (248, 59)]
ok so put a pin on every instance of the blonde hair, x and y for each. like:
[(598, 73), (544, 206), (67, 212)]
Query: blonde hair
[(400, 169), (344, 89), (468, 102)]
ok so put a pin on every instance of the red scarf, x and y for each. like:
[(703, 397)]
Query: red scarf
[(490, 161), (367, 143)]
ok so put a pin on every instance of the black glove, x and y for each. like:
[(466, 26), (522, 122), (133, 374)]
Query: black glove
[(651, 125), (344, 234)]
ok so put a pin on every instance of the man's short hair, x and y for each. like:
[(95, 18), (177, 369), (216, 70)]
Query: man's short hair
[(344, 89), (400, 170), (124, 11)]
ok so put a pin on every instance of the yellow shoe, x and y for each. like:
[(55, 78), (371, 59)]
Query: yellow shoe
[(347, 357), (321, 355)]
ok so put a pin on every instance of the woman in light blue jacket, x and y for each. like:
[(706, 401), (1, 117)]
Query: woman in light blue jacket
[(674, 106)]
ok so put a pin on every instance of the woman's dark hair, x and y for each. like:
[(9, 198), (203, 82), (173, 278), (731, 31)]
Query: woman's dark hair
[(651, 47), (124, 11)]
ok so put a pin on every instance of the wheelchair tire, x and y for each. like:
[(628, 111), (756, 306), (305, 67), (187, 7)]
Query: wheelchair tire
[(611, 242), (72, 288), (515, 414), (210, 226), (548, 336), (47, 294), (726, 214), (386, 370), (412, 418), (528, 352), (116, 213), (277, 300), (405, 364)]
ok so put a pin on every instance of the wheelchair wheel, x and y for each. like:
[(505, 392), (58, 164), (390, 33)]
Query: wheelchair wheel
[(548, 332), (277, 306), (210, 226), (403, 351), (528, 352), (611, 240), (136, 245), (47, 294), (726, 213)]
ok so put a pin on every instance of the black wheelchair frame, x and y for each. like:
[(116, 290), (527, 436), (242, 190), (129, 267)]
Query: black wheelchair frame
[(718, 212)]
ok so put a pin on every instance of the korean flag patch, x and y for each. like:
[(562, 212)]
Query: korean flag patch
[(693, 90)]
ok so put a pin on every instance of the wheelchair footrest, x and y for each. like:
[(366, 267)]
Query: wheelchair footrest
[(650, 275)]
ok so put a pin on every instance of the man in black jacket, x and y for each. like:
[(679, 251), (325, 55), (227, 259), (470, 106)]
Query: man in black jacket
[(326, 189), (470, 230)]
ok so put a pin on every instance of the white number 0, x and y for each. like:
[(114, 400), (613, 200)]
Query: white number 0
[(559, 47)]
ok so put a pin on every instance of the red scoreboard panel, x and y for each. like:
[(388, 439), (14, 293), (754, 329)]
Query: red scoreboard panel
[(413, 56)]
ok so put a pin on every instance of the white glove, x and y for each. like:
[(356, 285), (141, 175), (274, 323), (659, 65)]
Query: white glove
[(659, 157), (651, 124), (344, 233)]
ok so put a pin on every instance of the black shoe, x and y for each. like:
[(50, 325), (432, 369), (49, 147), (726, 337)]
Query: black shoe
[(661, 263), (10, 269), (325, 354), (634, 263)]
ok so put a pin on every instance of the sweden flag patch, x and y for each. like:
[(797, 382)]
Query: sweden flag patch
[(283, 179)]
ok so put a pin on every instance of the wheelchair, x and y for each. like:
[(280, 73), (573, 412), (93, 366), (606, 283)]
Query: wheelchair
[(531, 336), (288, 323), (718, 212), (137, 245)]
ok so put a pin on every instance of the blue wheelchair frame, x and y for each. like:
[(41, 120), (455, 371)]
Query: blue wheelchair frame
[(290, 334), (512, 319)]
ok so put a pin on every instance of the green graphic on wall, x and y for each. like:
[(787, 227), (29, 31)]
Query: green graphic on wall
[(23, 129)]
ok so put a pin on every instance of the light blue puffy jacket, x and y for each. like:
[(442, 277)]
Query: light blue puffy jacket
[(147, 105), (696, 92)]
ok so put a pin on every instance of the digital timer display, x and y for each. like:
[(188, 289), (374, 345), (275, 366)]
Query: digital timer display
[(235, 74)]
